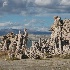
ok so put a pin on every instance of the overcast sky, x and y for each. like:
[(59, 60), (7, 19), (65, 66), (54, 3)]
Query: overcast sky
[(32, 14)]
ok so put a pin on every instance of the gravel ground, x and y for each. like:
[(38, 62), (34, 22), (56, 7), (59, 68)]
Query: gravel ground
[(31, 64)]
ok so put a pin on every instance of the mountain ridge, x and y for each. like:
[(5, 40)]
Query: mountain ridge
[(16, 31)]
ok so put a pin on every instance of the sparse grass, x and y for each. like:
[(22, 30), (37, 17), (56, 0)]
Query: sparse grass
[(45, 59), (67, 56), (1, 68), (56, 56), (14, 58), (3, 53)]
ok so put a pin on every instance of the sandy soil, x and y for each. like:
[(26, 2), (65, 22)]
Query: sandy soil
[(31, 64)]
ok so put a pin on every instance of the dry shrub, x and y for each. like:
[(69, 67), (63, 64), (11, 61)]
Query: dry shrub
[(3, 53)]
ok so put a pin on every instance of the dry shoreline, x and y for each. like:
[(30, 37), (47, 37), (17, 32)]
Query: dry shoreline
[(32, 64)]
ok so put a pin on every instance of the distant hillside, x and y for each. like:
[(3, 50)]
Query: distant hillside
[(40, 33), (5, 31)]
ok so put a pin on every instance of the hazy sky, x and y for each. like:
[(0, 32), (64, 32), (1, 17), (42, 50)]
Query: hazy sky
[(32, 14)]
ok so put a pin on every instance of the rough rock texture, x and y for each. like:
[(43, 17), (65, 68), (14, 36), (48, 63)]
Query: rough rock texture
[(60, 37)]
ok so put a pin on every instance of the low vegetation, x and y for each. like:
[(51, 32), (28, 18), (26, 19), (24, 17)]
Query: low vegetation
[(3, 53)]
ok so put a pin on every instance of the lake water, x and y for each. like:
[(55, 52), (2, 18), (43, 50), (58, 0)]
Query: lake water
[(29, 43)]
